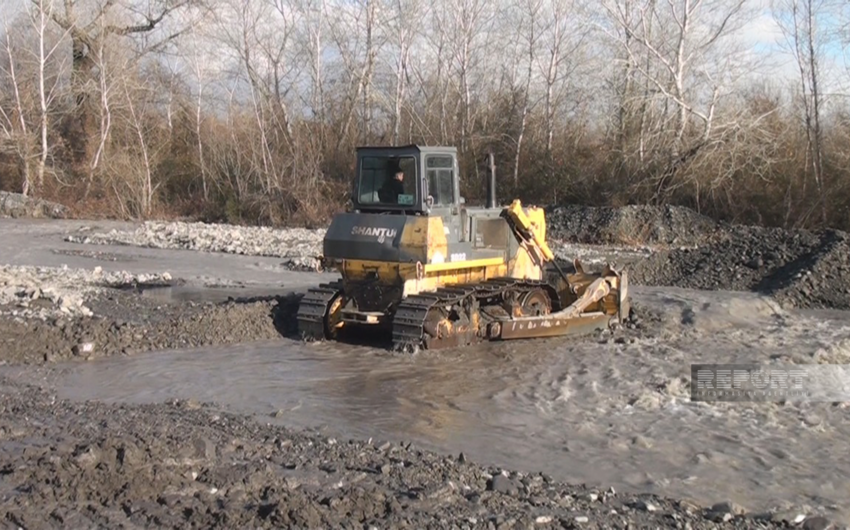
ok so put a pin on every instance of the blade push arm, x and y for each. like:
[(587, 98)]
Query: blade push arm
[(532, 233)]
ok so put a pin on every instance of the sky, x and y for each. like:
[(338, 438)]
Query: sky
[(765, 37), (761, 35)]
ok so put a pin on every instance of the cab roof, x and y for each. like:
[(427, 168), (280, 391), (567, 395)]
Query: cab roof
[(408, 148)]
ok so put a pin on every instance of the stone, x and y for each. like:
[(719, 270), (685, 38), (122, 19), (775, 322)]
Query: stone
[(502, 484), (128, 454), (87, 458), (83, 349), (204, 448), (643, 505), (755, 263), (719, 517), (728, 507), (816, 522)]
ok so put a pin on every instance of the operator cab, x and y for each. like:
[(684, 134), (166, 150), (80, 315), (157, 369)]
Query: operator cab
[(407, 180)]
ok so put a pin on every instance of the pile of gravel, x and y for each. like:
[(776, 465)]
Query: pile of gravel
[(297, 246), (188, 465), (18, 205), (799, 268), (50, 292), (629, 225)]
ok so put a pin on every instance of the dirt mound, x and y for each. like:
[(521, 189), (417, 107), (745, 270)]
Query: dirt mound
[(124, 323), (816, 279), (188, 465), (17, 205), (629, 225), (800, 268)]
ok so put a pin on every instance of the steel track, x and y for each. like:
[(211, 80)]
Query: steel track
[(313, 308), (409, 321)]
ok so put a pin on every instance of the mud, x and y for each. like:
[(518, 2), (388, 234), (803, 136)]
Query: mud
[(189, 465), (595, 409), (185, 464), (125, 323)]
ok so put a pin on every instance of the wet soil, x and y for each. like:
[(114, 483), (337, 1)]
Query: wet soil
[(189, 465), (126, 323)]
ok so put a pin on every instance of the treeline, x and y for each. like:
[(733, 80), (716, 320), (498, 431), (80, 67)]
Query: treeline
[(249, 110)]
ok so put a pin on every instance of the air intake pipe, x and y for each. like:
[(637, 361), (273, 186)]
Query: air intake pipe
[(491, 180)]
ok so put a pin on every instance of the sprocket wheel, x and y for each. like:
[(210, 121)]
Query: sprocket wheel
[(535, 303), (333, 319)]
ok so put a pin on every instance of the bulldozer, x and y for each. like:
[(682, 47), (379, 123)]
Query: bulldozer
[(419, 266)]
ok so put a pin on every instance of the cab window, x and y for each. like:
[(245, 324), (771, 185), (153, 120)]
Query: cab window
[(379, 185), (440, 174)]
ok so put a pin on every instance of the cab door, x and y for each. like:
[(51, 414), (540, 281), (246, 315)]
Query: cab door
[(442, 190)]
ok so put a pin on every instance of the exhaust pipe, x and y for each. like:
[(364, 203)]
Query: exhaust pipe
[(491, 180)]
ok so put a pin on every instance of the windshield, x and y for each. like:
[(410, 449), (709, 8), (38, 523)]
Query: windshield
[(387, 181)]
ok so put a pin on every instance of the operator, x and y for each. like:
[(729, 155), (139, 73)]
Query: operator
[(393, 188)]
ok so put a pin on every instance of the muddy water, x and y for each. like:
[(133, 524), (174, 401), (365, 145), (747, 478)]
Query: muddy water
[(609, 414)]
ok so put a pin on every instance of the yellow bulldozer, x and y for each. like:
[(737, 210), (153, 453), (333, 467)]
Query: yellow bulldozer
[(420, 265)]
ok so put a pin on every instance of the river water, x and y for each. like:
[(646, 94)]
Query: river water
[(583, 411)]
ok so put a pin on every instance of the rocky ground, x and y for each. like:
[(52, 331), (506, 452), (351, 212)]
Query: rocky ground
[(663, 246), (297, 246), (17, 205), (630, 225), (681, 248), (189, 465)]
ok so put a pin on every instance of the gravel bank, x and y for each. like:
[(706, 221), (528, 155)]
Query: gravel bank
[(668, 246), (297, 246), (53, 292), (17, 205), (799, 269), (188, 465), (630, 225)]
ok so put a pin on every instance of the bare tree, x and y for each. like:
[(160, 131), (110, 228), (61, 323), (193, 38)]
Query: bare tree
[(312, 28), (16, 131), (401, 20), (556, 34), (467, 24), (799, 20), (200, 79), (90, 27), (34, 83), (530, 22), (689, 67)]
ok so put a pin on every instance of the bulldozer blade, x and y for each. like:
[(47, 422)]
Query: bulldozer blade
[(550, 326)]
